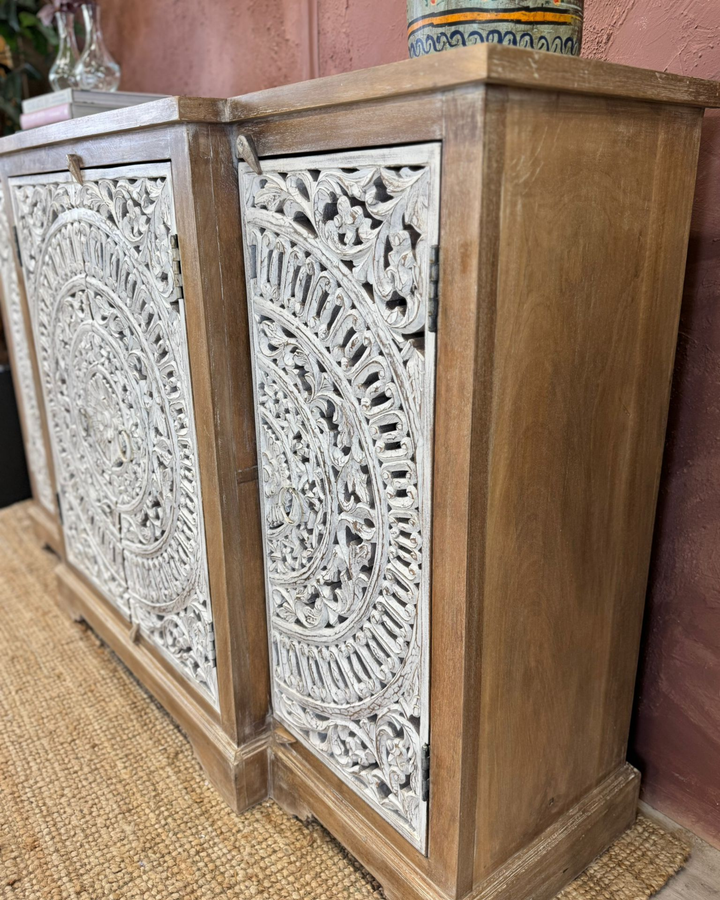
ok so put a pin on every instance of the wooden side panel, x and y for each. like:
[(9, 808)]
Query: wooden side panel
[(213, 280), (594, 218)]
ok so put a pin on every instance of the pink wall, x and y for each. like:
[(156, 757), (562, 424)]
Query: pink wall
[(677, 729), (220, 48), (227, 47)]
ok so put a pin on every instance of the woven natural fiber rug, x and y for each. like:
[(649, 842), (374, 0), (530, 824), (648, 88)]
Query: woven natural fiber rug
[(101, 797)]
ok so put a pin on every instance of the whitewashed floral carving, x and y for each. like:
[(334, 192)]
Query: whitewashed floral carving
[(338, 274), (110, 327), (23, 369)]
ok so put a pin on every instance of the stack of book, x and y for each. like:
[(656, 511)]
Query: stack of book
[(73, 103)]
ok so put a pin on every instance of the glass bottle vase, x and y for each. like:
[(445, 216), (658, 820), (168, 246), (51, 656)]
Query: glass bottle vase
[(96, 70), (62, 73)]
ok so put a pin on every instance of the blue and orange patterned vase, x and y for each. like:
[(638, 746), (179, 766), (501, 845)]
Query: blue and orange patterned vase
[(553, 25)]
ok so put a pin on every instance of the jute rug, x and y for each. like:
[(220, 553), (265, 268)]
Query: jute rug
[(101, 797)]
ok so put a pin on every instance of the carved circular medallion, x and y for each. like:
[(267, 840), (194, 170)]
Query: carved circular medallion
[(99, 261), (340, 485), (323, 492), (122, 428), (108, 430)]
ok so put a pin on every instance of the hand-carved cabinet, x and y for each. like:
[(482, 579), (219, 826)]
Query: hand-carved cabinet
[(45, 514), (354, 395), (125, 277), (463, 281)]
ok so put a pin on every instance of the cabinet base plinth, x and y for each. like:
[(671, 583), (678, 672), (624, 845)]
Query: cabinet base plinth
[(239, 773), (565, 849), (538, 872), (47, 530)]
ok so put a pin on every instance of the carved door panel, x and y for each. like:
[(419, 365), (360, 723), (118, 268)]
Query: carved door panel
[(338, 250), (109, 322), (23, 368)]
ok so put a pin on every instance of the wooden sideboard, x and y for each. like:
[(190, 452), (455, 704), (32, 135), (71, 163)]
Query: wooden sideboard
[(444, 295)]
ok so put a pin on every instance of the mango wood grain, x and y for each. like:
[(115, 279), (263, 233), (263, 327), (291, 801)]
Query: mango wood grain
[(168, 111), (541, 869), (477, 65), (462, 402), (592, 244), (457, 118), (481, 64), (213, 283), (538, 872), (413, 120), (104, 150)]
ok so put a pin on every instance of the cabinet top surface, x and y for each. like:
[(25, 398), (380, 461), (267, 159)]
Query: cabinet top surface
[(478, 65), (484, 64)]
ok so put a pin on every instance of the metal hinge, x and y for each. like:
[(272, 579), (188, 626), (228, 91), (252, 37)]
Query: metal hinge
[(176, 268), (434, 288), (425, 772), (59, 508), (17, 246), (252, 261), (211, 649)]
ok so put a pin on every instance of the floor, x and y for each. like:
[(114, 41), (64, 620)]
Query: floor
[(700, 879), (101, 797)]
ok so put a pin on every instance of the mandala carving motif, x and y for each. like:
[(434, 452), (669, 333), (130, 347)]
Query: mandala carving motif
[(23, 368), (338, 274), (110, 328)]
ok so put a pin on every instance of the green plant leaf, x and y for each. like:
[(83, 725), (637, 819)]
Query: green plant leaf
[(9, 35), (28, 19), (31, 44)]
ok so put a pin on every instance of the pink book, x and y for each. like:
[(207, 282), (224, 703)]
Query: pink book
[(45, 116)]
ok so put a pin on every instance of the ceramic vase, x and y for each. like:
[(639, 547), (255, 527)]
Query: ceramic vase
[(552, 25)]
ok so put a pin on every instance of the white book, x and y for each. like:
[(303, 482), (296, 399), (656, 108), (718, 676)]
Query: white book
[(88, 101)]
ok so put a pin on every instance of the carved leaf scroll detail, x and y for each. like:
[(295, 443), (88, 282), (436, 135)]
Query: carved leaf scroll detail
[(113, 351), (338, 257)]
